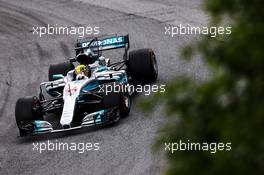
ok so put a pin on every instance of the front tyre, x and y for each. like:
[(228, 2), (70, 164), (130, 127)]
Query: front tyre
[(112, 101), (27, 109), (142, 66), (125, 105)]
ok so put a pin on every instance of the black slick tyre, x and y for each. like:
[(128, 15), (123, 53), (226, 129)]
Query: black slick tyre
[(61, 68), (142, 66)]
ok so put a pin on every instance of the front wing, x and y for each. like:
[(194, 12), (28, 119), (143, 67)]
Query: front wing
[(36, 127)]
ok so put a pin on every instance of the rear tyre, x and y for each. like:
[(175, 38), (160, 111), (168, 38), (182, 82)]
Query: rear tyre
[(61, 68), (142, 66)]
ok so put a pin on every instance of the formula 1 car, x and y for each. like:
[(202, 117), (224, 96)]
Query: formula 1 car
[(77, 94)]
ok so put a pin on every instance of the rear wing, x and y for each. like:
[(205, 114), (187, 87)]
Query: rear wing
[(104, 43)]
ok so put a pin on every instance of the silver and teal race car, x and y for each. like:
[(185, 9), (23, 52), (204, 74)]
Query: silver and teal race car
[(87, 90)]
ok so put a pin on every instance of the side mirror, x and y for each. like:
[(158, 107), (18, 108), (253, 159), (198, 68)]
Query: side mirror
[(72, 59), (57, 76)]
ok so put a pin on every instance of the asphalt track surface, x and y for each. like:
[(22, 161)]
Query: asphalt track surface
[(24, 62)]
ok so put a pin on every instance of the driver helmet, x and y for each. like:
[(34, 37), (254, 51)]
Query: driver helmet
[(82, 71)]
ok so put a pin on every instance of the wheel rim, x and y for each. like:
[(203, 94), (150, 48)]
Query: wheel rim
[(117, 119), (154, 64), (127, 102)]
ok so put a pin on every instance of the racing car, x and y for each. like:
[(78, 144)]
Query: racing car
[(76, 93)]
